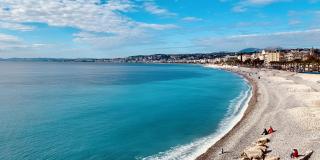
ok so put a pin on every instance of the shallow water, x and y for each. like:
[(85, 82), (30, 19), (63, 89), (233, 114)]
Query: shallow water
[(109, 111)]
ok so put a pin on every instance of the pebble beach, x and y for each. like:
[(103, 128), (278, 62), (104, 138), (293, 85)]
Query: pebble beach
[(287, 101)]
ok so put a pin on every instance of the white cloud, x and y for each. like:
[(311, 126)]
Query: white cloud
[(89, 16), (153, 8), (242, 6), (262, 2), (239, 8), (191, 19), (294, 22), (10, 42), (138, 36), (121, 5), (158, 26), (305, 38), (15, 26), (8, 38), (109, 41), (84, 15)]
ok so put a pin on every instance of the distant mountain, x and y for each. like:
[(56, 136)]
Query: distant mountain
[(250, 50)]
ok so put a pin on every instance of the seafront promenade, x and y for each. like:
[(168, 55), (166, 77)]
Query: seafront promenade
[(289, 102)]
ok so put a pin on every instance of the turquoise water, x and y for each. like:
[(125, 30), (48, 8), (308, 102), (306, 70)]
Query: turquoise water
[(110, 111)]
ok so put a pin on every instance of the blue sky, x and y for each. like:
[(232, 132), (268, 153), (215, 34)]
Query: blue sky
[(119, 28)]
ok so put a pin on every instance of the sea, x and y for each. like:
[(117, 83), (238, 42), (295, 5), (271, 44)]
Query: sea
[(98, 111)]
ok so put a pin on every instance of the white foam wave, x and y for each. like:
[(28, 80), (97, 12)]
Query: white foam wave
[(194, 149)]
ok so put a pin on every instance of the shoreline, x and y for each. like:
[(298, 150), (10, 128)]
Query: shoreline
[(217, 146), (237, 110), (284, 100)]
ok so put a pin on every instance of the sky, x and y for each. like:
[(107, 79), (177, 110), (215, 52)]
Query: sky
[(120, 28)]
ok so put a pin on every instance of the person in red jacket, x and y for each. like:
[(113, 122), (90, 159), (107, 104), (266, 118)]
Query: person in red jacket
[(270, 130), (294, 154)]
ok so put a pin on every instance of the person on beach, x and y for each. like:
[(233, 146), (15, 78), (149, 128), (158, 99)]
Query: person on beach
[(265, 132), (294, 154), (270, 130)]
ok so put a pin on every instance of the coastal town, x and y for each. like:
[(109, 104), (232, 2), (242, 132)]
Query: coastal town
[(295, 60)]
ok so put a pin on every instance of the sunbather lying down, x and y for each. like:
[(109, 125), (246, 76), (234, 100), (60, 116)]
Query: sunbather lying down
[(269, 131)]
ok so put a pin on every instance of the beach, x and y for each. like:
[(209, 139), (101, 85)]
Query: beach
[(287, 101)]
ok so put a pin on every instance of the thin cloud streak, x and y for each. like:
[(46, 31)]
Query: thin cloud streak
[(305, 38), (153, 8), (243, 6)]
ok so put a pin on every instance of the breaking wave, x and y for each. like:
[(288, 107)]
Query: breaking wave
[(194, 149)]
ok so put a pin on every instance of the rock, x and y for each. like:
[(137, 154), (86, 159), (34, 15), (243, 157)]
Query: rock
[(253, 153), (262, 141), (263, 148)]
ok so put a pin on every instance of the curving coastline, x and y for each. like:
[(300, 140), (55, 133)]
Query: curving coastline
[(192, 150), (217, 146), (284, 100)]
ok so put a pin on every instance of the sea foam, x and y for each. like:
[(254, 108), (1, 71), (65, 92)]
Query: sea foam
[(194, 149)]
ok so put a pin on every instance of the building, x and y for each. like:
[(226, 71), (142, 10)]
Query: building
[(246, 57), (263, 55), (289, 56), (230, 58), (254, 56), (217, 60), (274, 56), (312, 52), (260, 56), (293, 55)]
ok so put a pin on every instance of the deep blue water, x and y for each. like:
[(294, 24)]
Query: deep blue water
[(102, 111)]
